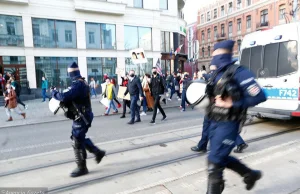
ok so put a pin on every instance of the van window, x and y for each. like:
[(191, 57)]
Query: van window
[(256, 60), (278, 59), (270, 60), (287, 59), (245, 59)]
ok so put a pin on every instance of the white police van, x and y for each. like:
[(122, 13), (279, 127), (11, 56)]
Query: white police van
[(272, 55)]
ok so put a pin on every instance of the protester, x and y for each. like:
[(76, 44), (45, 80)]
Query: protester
[(44, 89), (93, 87), (11, 103), (110, 93)]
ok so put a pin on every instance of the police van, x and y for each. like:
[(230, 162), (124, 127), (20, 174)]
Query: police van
[(272, 55)]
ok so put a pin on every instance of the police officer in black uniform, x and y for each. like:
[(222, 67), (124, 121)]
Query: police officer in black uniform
[(77, 99), (232, 91)]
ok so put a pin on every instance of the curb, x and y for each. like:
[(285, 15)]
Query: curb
[(65, 119)]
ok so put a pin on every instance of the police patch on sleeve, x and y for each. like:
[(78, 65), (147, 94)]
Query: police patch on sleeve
[(253, 90)]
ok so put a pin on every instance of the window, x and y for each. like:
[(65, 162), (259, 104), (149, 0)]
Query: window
[(54, 33), (91, 37), (222, 10), (202, 34), (203, 52), (238, 4), (208, 34), (215, 31), (36, 29), (98, 66), (215, 13), (202, 18), (239, 24), (230, 7), (248, 22), (138, 3), (239, 45), (163, 4), (100, 36), (10, 28), (222, 29), (208, 16), (165, 41), (137, 37), (248, 2), (208, 49), (230, 27), (140, 70), (278, 59), (281, 12), (68, 35), (264, 16), (55, 70), (11, 31)]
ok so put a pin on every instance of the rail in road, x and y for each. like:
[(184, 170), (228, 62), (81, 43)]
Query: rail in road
[(118, 171)]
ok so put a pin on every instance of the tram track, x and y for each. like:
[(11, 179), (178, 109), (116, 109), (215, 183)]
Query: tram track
[(160, 142), (93, 180)]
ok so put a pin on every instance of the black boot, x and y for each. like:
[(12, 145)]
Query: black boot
[(99, 154), (215, 179), (80, 159), (240, 148), (250, 176)]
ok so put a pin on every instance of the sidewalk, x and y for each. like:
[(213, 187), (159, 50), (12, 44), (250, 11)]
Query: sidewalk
[(38, 112)]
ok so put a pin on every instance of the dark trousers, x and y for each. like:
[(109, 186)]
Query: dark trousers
[(183, 99), (134, 107), (205, 136), (125, 103), (157, 105), (117, 101)]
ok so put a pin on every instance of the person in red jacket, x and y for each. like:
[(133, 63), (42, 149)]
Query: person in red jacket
[(125, 102)]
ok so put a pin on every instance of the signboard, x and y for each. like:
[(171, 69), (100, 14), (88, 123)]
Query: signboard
[(120, 71), (138, 56), (121, 92)]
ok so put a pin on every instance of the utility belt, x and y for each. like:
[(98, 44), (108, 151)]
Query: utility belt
[(225, 114), (78, 114)]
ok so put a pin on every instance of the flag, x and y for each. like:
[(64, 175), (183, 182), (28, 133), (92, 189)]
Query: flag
[(158, 67), (178, 49)]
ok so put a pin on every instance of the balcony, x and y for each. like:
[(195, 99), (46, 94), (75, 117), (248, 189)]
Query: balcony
[(221, 37), (24, 2), (261, 26), (100, 7)]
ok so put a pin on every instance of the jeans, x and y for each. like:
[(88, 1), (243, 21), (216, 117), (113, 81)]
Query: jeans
[(111, 104), (44, 94), (93, 92), (183, 99), (157, 105), (8, 111), (134, 108), (144, 104)]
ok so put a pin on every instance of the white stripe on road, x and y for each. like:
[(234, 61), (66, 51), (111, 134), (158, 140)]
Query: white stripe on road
[(98, 144), (256, 162)]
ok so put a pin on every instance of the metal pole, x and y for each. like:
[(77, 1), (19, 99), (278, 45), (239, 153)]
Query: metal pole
[(295, 9)]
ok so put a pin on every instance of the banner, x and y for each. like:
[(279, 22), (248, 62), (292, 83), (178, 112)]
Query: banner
[(121, 92), (138, 56)]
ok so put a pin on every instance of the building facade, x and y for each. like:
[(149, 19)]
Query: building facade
[(40, 37), (191, 43), (233, 19)]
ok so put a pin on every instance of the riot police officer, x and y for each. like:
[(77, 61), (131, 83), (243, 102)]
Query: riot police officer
[(202, 145), (231, 91), (77, 99)]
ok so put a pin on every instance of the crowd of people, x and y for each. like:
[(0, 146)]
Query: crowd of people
[(175, 84)]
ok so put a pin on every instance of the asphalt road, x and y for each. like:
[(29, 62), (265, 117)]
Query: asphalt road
[(33, 139)]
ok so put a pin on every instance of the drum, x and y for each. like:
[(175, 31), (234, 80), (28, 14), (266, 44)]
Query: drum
[(54, 106), (196, 95)]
